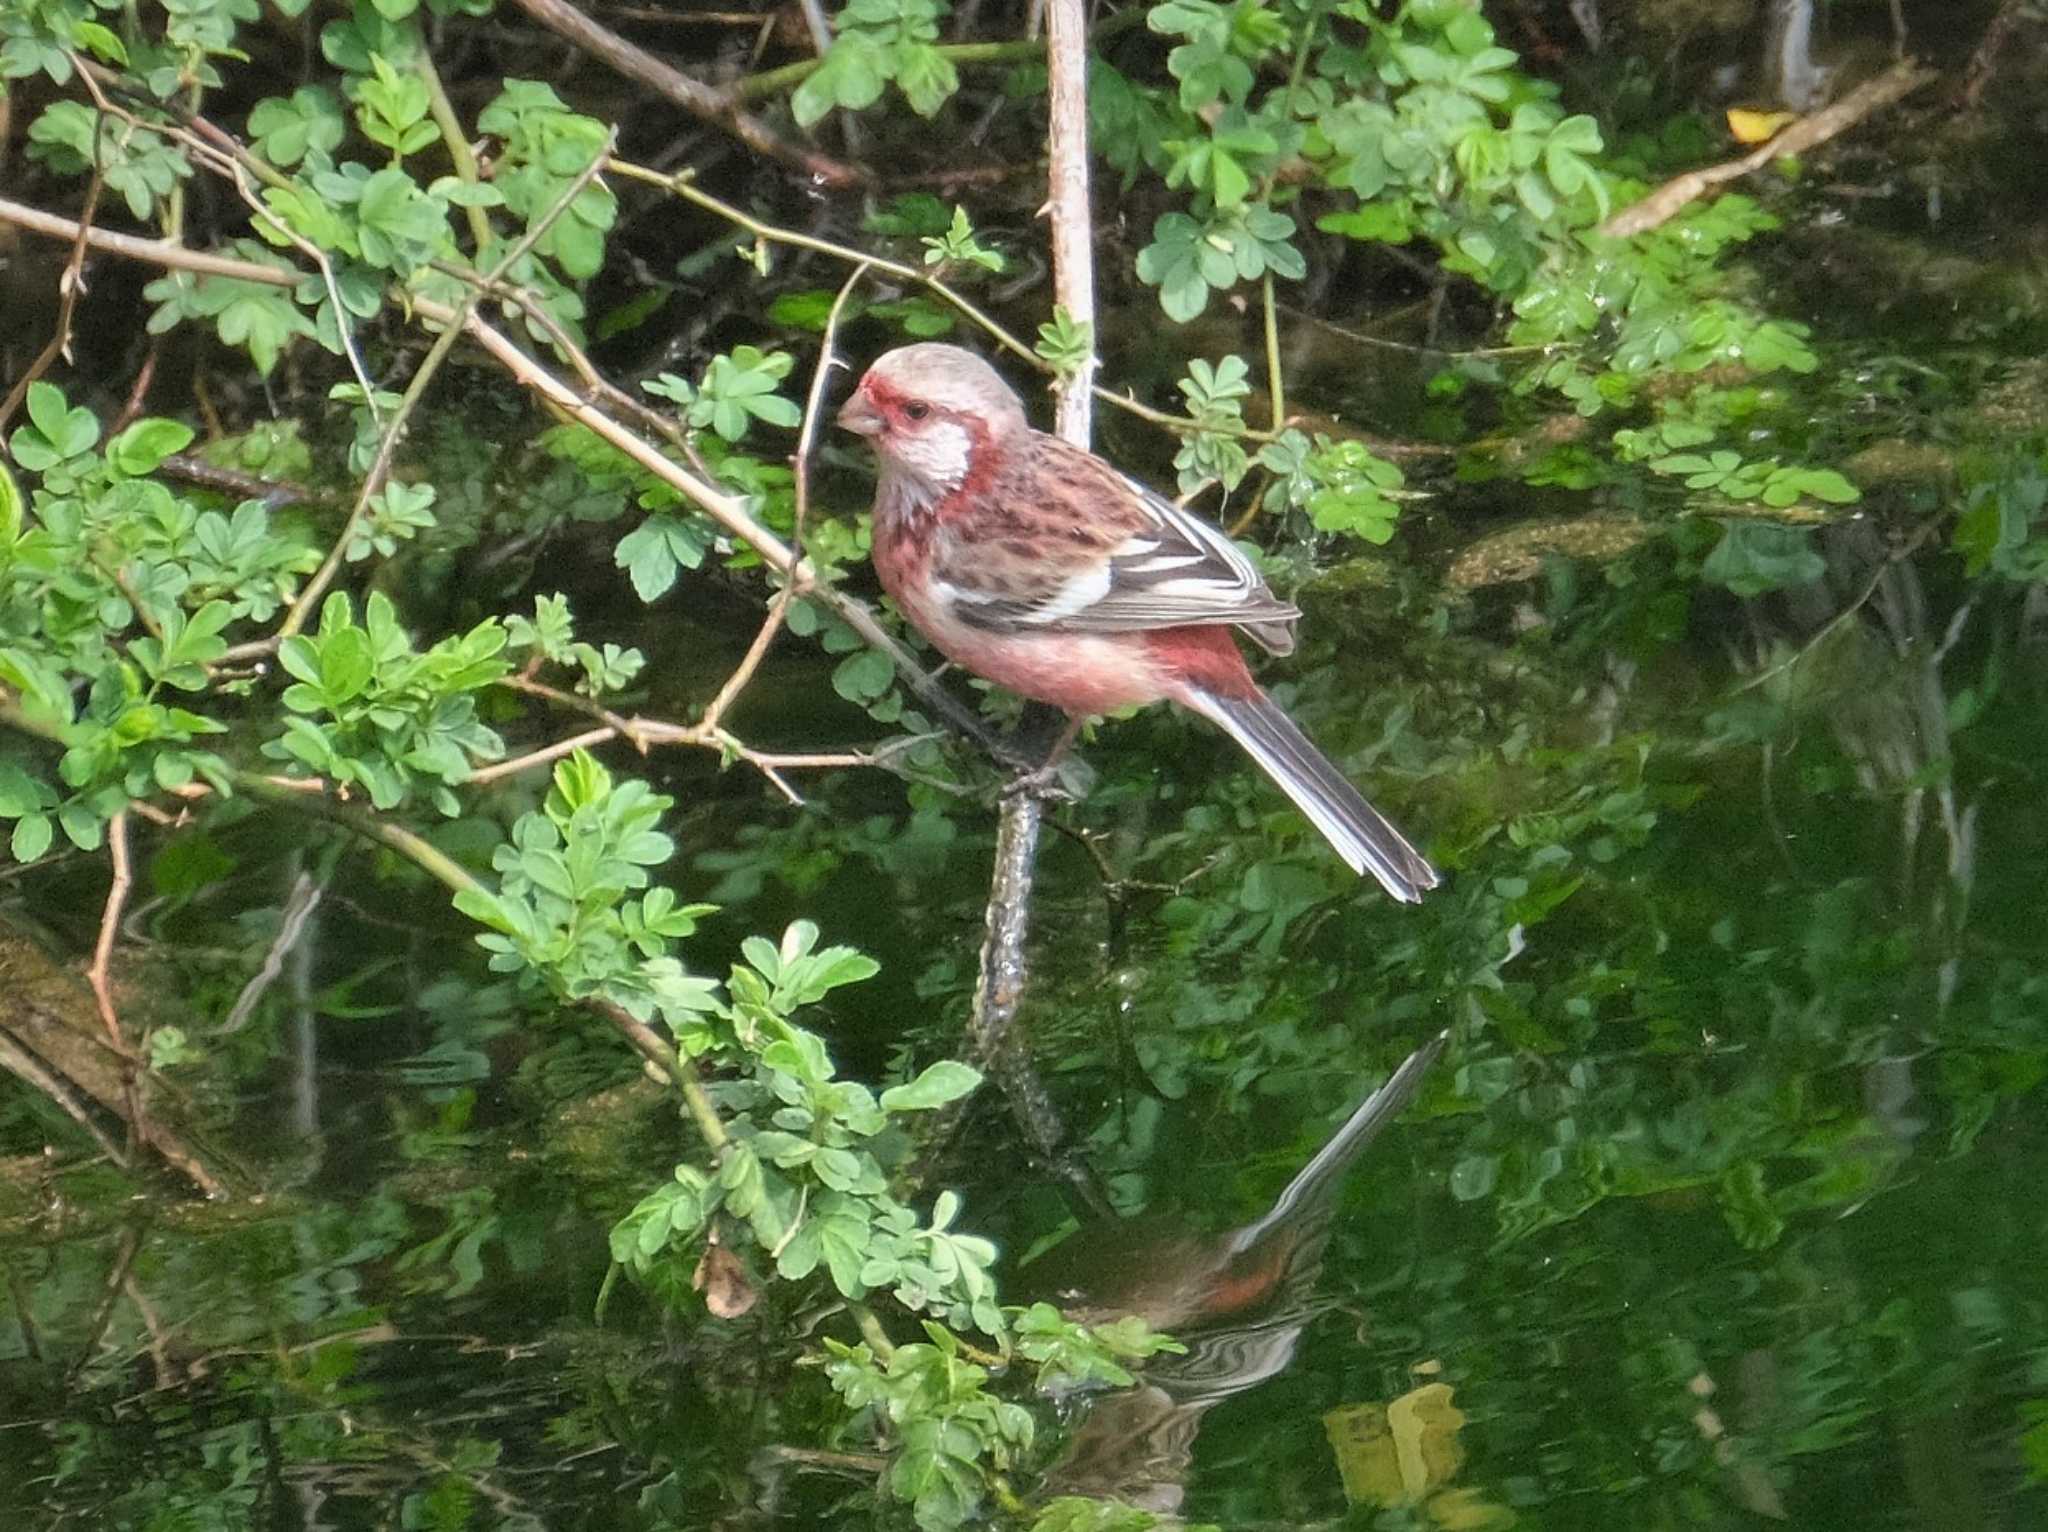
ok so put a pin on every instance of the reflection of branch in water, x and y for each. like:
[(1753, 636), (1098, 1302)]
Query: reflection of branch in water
[(1886, 702)]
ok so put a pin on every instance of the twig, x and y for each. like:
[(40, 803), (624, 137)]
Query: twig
[(620, 727), (800, 470), (1667, 200), (299, 906), (125, 1252), (394, 430), (460, 155), (1073, 223), (69, 285), (156, 252), (110, 926), (729, 512), (20, 1062), (1984, 60), (138, 392), (720, 108), (236, 484), (542, 756), (682, 185), (1276, 384), (800, 464)]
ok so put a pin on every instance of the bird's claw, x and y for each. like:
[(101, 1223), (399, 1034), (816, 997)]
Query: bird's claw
[(1042, 783)]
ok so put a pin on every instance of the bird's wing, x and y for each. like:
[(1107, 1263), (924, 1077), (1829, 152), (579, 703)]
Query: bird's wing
[(1060, 541)]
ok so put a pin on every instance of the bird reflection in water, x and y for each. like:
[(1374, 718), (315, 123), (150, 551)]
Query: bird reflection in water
[(1238, 1301)]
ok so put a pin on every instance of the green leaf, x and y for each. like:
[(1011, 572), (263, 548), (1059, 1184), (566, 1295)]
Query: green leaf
[(32, 836), (286, 128), (947, 1080), (864, 677), (851, 75), (653, 552), (139, 449)]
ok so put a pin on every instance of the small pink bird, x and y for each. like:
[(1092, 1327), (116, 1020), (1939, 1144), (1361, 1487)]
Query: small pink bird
[(1036, 565)]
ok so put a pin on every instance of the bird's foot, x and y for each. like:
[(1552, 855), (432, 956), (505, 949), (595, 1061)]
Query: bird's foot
[(1042, 783)]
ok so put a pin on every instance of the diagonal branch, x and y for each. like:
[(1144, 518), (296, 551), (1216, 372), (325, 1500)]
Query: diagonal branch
[(1667, 200), (720, 108)]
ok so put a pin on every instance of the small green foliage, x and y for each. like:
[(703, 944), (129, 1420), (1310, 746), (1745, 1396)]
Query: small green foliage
[(398, 513), (933, 1402), (2000, 528), (55, 434), (170, 1047), (1188, 258), (1214, 452), (879, 42), (1758, 556), (1072, 1356), (654, 552), (138, 165), (738, 388), (255, 316), (550, 636), (1066, 343), (1341, 484), (116, 593), (392, 109), (546, 147), (1083, 1513), (286, 129), (368, 709), (569, 915), (958, 246), (1767, 480)]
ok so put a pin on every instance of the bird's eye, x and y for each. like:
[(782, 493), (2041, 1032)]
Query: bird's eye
[(916, 410)]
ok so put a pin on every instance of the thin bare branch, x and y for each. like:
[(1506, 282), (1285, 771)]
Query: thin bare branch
[(110, 927), (1073, 222), (720, 108), (70, 285), (156, 252), (542, 756), (1669, 199), (800, 468)]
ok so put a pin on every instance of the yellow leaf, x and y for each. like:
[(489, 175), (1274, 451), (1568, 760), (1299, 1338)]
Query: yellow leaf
[(1752, 127)]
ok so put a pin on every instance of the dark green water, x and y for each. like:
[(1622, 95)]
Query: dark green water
[(1725, 1203)]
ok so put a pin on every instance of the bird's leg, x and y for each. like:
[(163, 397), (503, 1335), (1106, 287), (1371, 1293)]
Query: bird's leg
[(1042, 781)]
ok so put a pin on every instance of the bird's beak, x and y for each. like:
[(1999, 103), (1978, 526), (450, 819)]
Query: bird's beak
[(860, 417)]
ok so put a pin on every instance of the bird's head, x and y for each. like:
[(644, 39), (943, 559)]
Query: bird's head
[(932, 413)]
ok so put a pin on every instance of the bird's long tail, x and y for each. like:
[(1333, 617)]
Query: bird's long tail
[(1314, 1182), (1361, 834)]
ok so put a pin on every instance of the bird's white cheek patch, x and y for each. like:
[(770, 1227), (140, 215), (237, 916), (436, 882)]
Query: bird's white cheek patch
[(939, 453)]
